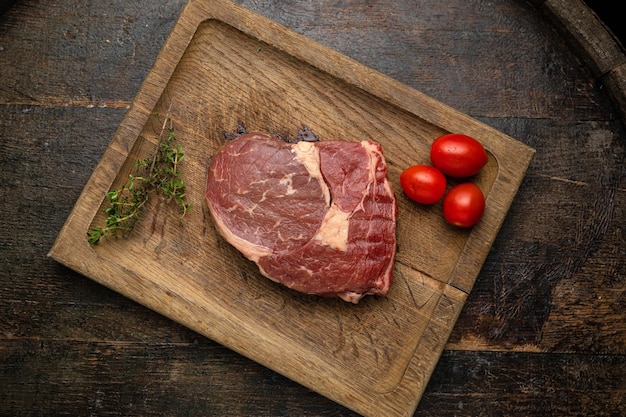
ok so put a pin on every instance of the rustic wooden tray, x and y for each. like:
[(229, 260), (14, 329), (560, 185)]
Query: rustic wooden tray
[(223, 63)]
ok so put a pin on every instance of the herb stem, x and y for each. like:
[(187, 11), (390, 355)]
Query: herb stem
[(162, 177)]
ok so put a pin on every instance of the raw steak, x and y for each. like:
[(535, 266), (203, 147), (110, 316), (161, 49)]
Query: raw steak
[(318, 217)]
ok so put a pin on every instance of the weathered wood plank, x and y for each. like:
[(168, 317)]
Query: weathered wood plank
[(197, 378), (223, 63), (522, 387), (552, 283), (103, 64), (200, 378), (502, 50), (564, 220), (597, 44), (93, 55)]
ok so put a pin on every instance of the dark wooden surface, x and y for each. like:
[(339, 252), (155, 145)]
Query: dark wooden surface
[(609, 13), (544, 330)]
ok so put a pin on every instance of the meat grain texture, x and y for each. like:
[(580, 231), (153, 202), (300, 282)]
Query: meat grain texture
[(317, 217)]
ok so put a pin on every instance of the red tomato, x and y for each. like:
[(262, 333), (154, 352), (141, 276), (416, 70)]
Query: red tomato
[(423, 183), (464, 205), (458, 155)]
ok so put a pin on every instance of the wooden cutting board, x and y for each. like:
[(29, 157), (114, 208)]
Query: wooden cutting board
[(223, 64)]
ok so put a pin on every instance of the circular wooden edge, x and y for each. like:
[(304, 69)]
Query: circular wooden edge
[(599, 47)]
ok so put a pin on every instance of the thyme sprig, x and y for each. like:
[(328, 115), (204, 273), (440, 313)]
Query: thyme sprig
[(160, 173)]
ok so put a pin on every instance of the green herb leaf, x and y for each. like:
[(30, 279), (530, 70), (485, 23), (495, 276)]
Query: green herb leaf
[(163, 176)]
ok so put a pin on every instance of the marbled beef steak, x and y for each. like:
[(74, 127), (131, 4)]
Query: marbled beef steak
[(318, 217)]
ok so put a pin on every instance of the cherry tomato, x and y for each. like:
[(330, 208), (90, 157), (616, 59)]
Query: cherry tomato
[(464, 205), (423, 183), (458, 155)]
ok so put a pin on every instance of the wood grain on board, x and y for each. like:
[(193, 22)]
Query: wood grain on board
[(223, 64), (543, 328)]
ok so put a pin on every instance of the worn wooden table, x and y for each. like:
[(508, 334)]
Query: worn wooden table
[(544, 330)]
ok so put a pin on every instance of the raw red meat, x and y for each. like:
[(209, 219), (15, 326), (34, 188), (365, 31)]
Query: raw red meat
[(318, 217)]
